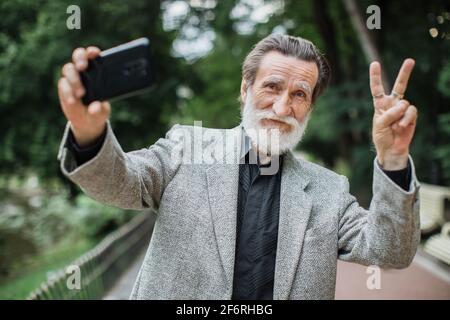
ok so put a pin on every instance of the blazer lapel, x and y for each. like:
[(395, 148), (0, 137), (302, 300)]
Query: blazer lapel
[(295, 209), (223, 179)]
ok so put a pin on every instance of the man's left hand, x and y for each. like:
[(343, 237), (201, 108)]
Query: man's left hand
[(394, 120)]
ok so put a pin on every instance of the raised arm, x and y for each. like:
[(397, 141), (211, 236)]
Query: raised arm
[(133, 180), (388, 233)]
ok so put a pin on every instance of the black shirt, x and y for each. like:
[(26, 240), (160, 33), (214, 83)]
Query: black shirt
[(258, 210)]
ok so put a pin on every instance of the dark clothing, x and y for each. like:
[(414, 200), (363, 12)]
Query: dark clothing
[(258, 209), (84, 154), (401, 177)]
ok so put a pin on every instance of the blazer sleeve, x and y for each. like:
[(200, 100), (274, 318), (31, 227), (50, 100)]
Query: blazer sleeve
[(133, 180), (386, 235)]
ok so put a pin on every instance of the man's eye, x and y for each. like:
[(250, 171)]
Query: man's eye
[(300, 94), (271, 86)]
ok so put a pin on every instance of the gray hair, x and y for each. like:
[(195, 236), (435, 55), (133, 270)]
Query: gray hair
[(290, 46)]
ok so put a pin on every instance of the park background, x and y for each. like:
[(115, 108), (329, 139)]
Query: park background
[(198, 48)]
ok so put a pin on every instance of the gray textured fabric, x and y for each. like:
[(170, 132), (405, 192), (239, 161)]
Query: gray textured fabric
[(191, 252)]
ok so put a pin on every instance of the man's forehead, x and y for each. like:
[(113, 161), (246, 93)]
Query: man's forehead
[(275, 64), (277, 79)]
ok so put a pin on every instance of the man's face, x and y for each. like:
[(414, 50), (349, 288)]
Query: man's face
[(281, 97)]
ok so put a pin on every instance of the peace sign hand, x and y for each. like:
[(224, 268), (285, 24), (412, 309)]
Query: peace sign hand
[(394, 119)]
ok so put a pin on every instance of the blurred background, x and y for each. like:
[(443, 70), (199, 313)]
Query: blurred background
[(46, 223)]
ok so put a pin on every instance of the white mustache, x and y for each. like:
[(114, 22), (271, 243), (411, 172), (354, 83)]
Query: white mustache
[(269, 114)]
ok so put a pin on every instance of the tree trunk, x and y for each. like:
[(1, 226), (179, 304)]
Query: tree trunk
[(326, 29), (368, 46)]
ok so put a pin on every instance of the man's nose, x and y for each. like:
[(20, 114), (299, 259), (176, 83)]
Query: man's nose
[(282, 106)]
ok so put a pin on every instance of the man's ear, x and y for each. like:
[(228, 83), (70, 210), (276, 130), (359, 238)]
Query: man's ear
[(243, 90)]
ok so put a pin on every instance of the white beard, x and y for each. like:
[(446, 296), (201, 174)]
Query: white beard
[(270, 141)]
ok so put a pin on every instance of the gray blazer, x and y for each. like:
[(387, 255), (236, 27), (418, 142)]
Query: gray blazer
[(192, 250)]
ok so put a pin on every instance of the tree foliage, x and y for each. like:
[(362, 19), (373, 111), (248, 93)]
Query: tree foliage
[(34, 44)]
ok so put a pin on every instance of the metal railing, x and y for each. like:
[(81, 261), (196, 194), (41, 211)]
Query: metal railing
[(100, 267)]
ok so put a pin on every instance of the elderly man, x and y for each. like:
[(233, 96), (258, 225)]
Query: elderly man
[(226, 230)]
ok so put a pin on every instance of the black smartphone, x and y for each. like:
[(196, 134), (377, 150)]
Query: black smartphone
[(118, 72)]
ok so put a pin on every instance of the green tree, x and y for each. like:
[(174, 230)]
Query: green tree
[(34, 45), (340, 129)]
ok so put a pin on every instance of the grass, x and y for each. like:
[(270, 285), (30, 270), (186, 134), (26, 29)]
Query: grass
[(35, 271)]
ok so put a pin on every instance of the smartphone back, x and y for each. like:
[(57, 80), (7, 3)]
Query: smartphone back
[(118, 72)]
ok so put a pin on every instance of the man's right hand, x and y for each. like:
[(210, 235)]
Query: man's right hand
[(87, 122)]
